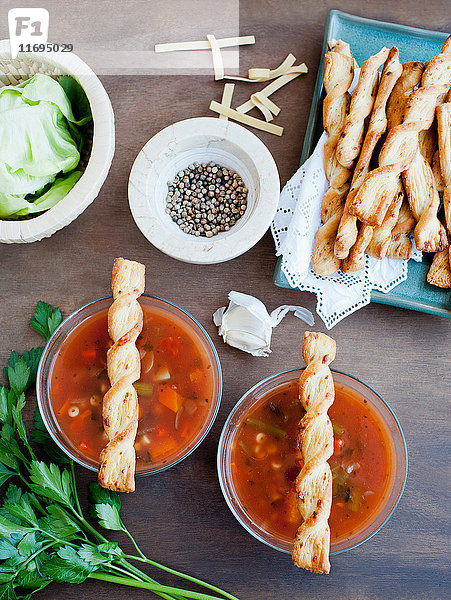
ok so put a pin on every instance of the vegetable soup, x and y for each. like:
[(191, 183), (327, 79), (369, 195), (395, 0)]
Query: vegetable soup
[(265, 462), (176, 388)]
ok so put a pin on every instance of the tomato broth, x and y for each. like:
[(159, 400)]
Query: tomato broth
[(175, 389), (265, 462)]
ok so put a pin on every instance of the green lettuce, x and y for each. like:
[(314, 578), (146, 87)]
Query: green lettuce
[(40, 142), (17, 206)]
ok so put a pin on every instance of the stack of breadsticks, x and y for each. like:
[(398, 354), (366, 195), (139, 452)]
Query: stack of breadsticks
[(387, 159)]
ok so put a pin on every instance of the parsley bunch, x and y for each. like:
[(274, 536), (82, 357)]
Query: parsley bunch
[(44, 535)]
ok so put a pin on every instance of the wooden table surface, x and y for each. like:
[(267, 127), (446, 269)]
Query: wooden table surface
[(179, 517)]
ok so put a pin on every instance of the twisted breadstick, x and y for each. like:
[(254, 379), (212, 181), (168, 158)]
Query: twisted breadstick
[(408, 81), (444, 146), (316, 442), (440, 272), (120, 403), (401, 146), (362, 101), (391, 238), (338, 76), (347, 230), (393, 241)]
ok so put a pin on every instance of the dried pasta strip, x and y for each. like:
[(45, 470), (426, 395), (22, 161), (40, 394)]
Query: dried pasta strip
[(205, 44), (267, 106), (218, 65), (273, 73), (261, 107), (245, 119), (227, 95), (270, 89), (285, 68)]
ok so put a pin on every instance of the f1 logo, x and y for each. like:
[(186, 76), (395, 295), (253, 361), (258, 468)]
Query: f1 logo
[(27, 26)]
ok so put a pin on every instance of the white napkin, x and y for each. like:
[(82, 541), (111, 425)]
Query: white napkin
[(294, 227)]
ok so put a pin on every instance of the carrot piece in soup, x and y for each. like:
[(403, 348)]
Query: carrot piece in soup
[(89, 355), (196, 376), (171, 345), (163, 446), (170, 398)]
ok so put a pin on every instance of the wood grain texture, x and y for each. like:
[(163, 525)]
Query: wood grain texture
[(179, 517)]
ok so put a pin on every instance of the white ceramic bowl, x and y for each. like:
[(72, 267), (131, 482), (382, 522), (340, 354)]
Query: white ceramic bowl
[(203, 139), (89, 184)]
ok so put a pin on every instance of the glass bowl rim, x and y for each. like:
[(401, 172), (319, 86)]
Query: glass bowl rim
[(66, 449), (222, 478)]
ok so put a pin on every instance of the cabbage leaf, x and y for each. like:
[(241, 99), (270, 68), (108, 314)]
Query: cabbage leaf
[(40, 143), (17, 206)]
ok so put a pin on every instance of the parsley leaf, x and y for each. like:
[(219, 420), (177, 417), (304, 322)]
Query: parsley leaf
[(46, 319), (59, 524), (4, 404), (105, 507), (17, 416), (51, 482), (7, 527), (22, 511), (108, 517), (5, 474), (66, 565), (7, 591), (31, 358), (93, 555), (18, 374), (40, 435), (100, 495)]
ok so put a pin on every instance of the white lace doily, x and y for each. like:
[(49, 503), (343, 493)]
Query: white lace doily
[(294, 227)]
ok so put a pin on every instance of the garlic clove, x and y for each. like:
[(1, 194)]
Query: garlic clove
[(245, 324)]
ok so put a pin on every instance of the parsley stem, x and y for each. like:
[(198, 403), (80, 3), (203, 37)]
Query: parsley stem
[(183, 575), (87, 526), (153, 587), (74, 488), (138, 549), (146, 577), (32, 557)]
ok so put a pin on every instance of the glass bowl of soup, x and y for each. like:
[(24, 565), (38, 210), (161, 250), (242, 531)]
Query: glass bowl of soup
[(258, 461), (179, 389)]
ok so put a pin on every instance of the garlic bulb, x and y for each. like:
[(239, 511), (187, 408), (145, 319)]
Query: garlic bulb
[(245, 324)]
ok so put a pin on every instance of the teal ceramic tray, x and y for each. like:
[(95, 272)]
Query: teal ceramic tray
[(367, 37)]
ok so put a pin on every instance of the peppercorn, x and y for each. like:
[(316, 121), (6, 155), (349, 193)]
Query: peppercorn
[(202, 198)]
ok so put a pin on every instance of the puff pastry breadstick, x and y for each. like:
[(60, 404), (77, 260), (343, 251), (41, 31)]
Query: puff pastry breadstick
[(347, 231), (444, 145), (120, 403), (401, 146), (362, 100), (316, 441), (338, 76), (408, 81), (440, 272), (395, 243)]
